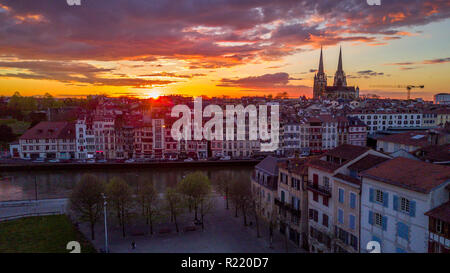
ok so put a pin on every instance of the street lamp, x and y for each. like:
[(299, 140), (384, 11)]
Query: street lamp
[(106, 222)]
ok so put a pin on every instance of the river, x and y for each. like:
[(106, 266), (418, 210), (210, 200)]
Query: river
[(16, 185)]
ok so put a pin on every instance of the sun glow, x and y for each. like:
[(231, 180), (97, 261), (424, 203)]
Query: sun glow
[(153, 93)]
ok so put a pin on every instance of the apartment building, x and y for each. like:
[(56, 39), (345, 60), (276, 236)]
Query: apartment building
[(409, 142), (326, 197), (51, 140), (143, 140), (264, 182), (395, 196), (439, 229), (292, 200), (383, 120), (85, 139)]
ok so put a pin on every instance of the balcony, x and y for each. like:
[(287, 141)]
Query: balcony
[(288, 207), (325, 191)]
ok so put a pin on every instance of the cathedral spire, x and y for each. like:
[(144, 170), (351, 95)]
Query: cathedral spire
[(340, 60), (339, 78), (321, 61)]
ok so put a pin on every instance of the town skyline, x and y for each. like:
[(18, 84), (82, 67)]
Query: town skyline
[(269, 48)]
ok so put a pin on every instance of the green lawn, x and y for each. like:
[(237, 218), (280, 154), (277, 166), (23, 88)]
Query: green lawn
[(41, 234)]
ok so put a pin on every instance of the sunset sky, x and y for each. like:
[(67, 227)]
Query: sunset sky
[(238, 48)]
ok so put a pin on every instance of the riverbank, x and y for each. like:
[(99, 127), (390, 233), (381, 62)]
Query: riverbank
[(21, 166)]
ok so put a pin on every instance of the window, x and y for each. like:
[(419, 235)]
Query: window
[(379, 196), (341, 216), (403, 231), (315, 196), (404, 204), (352, 221), (341, 195), (439, 226), (326, 182), (354, 241), (352, 200), (378, 219), (325, 220), (325, 201)]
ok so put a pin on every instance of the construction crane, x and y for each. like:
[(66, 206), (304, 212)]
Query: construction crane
[(408, 88)]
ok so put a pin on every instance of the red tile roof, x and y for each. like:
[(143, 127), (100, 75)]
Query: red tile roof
[(296, 165), (347, 178), (51, 130), (419, 139), (323, 165), (441, 212), (347, 151), (367, 162), (409, 174)]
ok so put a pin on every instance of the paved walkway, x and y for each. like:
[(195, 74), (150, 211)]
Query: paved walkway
[(16, 209), (223, 234)]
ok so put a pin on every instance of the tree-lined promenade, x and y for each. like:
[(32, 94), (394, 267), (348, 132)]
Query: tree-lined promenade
[(199, 211)]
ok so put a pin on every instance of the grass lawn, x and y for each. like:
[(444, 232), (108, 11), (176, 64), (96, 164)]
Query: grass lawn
[(41, 234)]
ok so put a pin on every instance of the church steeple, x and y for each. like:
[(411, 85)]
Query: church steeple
[(321, 61), (339, 78), (340, 60), (320, 79)]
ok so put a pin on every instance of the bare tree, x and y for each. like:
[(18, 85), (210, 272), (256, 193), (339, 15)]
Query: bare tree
[(119, 193), (87, 201), (148, 197), (223, 187), (175, 205), (194, 187)]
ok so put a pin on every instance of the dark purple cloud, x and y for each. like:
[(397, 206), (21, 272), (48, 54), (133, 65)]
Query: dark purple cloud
[(72, 73), (268, 82), (204, 33)]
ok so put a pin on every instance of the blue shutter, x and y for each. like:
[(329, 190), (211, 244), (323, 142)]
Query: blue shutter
[(384, 223), (396, 202), (352, 222), (371, 195), (399, 250), (282, 196), (403, 230), (385, 199), (376, 239), (352, 200), (341, 196), (371, 217), (412, 208), (340, 216)]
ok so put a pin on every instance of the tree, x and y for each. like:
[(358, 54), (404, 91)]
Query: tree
[(6, 133), (86, 199), (174, 204), (223, 186), (241, 196), (119, 194), (206, 206), (194, 187), (148, 197)]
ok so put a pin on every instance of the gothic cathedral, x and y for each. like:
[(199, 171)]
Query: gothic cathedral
[(339, 90)]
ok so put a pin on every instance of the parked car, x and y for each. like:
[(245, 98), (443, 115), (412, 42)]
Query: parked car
[(226, 158), (130, 160), (120, 160), (188, 160), (91, 161), (54, 160), (102, 161), (39, 160)]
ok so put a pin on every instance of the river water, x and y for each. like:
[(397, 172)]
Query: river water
[(59, 183)]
